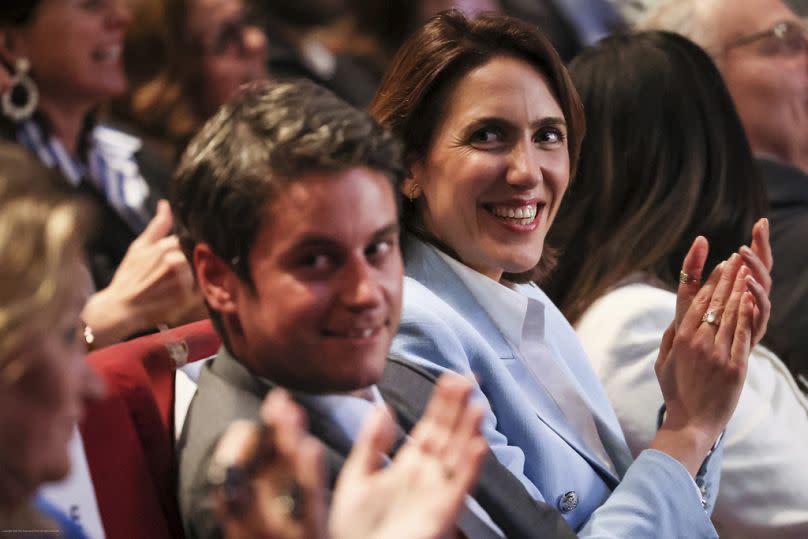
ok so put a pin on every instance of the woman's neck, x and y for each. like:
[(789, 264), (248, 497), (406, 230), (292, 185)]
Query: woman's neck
[(66, 123)]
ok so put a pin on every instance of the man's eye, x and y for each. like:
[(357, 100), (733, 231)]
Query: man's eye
[(379, 249), (93, 4), (316, 262)]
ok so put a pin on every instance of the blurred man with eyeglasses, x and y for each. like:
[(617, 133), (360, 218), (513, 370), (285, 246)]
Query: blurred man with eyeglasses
[(761, 48)]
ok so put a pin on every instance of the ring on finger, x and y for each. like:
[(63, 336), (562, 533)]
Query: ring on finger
[(686, 278), (290, 502), (711, 317)]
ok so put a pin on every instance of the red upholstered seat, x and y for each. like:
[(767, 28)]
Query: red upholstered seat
[(128, 437)]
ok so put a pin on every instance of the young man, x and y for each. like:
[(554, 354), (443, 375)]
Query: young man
[(285, 207)]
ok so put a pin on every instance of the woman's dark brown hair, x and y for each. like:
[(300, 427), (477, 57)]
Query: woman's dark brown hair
[(18, 12), (163, 76), (665, 160), (411, 98)]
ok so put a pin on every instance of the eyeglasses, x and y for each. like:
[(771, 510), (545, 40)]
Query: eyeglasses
[(228, 38), (787, 38)]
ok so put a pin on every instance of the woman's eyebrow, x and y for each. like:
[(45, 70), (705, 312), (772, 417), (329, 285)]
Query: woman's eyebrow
[(550, 120)]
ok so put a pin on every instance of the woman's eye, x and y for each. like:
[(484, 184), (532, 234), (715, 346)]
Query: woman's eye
[(70, 335), (486, 136), (549, 135)]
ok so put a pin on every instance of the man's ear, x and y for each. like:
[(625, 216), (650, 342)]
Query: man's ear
[(217, 280)]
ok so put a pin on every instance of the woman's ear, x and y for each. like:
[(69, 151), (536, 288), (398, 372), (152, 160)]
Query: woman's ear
[(411, 187), (6, 46), (11, 45)]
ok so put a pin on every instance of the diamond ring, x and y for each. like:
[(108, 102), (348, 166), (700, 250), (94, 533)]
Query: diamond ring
[(711, 317)]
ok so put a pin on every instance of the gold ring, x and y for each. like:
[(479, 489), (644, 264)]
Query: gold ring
[(684, 278), (711, 317)]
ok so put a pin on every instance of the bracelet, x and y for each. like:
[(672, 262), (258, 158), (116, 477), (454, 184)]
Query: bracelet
[(89, 336)]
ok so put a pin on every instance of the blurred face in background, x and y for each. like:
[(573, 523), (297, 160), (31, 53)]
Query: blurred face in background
[(764, 61), (46, 385), (230, 48), (74, 47)]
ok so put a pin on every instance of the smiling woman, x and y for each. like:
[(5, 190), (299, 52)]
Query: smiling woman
[(506, 110), (65, 58), (492, 129), (86, 67), (501, 122)]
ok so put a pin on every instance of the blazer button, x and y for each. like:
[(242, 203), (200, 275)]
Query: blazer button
[(568, 501)]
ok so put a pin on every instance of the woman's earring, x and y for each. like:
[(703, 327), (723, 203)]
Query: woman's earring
[(20, 101), (413, 192)]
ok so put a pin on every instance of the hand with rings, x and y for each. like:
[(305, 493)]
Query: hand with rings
[(758, 259), (702, 361), (269, 479), (419, 495)]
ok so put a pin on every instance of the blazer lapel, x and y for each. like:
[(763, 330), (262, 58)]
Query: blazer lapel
[(428, 268)]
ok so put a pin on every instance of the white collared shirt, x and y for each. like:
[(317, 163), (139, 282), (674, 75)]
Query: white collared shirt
[(520, 313)]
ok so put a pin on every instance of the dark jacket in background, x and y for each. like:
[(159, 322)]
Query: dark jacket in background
[(561, 20), (788, 217)]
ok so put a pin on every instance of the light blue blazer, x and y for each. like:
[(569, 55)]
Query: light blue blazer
[(443, 327)]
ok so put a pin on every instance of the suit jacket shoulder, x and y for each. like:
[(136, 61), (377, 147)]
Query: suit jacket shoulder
[(219, 400), (408, 388)]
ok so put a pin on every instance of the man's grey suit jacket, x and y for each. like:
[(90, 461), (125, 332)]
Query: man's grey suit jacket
[(228, 391)]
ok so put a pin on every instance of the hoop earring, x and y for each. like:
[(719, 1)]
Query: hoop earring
[(20, 101)]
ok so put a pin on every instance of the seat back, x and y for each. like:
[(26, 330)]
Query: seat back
[(128, 437)]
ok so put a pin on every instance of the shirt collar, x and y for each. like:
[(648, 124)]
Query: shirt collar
[(346, 411), (505, 303)]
